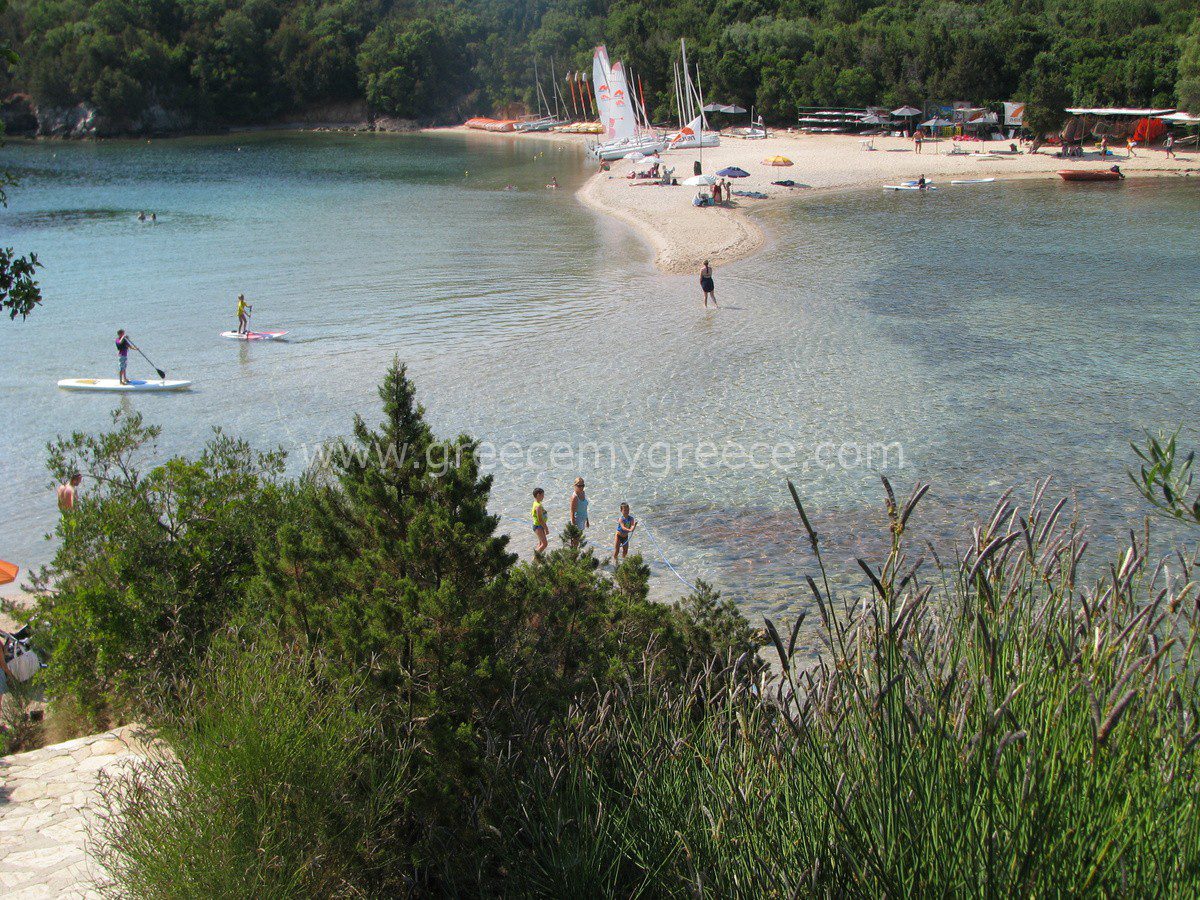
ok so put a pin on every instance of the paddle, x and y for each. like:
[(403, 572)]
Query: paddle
[(161, 373)]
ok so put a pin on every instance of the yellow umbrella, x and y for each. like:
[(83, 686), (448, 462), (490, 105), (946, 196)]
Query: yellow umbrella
[(8, 572), (777, 161)]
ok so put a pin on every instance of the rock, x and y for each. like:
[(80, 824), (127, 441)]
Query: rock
[(392, 123), (158, 120), (77, 121), (18, 115)]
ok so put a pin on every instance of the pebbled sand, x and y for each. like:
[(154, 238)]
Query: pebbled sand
[(683, 236)]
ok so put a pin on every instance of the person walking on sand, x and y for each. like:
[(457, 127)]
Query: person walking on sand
[(243, 311), (1169, 146), (579, 507), (917, 141), (626, 525), (66, 492), (540, 528), (1131, 147), (707, 285), (124, 345)]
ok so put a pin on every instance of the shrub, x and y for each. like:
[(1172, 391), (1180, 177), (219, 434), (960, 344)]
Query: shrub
[(997, 730), (271, 778), (150, 564)]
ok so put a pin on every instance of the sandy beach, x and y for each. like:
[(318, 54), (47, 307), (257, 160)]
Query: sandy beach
[(683, 235)]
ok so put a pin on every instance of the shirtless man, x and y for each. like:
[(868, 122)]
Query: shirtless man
[(66, 492)]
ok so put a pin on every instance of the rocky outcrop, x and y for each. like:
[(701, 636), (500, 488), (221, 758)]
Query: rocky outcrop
[(79, 121), (18, 115), (391, 123)]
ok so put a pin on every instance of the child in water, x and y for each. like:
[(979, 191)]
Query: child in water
[(539, 521), (626, 525)]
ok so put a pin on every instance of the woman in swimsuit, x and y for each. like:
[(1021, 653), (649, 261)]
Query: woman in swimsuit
[(579, 508), (706, 284)]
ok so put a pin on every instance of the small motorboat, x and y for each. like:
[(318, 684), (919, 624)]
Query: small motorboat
[(1113, 174)]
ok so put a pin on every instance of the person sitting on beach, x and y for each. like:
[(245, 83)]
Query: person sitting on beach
[(66, 492), (707, 285), (540, 526), (626, 525), (579, 507), (921, 183)]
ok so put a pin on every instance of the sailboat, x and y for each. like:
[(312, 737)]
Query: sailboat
[(689, 106), (548, 119), (626, 129)]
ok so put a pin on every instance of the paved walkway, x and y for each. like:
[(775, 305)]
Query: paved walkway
[(45, 800)]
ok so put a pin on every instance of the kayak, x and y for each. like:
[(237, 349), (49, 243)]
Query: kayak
[(909, 187), (973, 181), (1089, 175), (112, 384), (253, 335)]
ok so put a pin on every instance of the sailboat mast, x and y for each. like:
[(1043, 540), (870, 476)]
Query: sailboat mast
[(554, 90), (700, 100)]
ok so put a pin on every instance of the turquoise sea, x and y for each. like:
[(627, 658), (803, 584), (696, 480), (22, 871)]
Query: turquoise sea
[(975, 338)]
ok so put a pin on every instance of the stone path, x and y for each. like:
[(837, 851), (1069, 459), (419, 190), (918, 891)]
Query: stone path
[(46, 797)]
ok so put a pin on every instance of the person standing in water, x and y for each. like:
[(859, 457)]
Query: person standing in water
[(540, 527), (124, 345), (707, 285), (243, 310), (66, 492), (579, 507), (626, 525)]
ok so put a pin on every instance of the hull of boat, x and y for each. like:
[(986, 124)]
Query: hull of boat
[(622, 149), (1087, 175), (688, 143)]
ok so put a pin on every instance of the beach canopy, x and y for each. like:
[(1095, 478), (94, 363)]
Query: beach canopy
[(723, 108), (733, 172), (1117, 111), (906, 112), (1181, 118), (935, 122), (777, 161), (701, 181), (871, 120), (8, 572)]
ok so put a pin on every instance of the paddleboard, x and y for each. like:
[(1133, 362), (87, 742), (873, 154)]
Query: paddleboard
[(253, 335), (908, 187), (112, 384), (973, 181)]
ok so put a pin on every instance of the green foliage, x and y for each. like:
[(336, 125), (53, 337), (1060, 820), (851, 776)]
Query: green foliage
[(19, 291), (1165, 478), (272, 778), (1188, 87), (150, 563), (224, 61), (1011, 734)]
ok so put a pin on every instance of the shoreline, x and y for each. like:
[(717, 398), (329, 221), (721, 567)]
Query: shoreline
[(682, 236)]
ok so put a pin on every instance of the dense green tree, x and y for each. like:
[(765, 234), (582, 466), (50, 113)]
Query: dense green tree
[(1188, 87)]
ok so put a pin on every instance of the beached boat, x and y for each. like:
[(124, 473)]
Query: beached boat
[(689, 107), (1089, 175), (626, 129)]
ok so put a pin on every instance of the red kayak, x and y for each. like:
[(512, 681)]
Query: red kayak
[(1089, 175)]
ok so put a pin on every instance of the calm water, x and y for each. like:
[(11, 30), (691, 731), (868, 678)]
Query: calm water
[(975, 338)]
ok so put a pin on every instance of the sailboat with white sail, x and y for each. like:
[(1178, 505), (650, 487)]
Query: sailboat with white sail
[(689, 106), (626, 129)]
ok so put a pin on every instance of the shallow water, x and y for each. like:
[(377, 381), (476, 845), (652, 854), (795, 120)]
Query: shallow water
[(975, 338)]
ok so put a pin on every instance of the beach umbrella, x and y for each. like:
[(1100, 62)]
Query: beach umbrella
[(636, 156), (733, 172), (777, 161), (733, 110), (701, 181), (906, 112), (937, 122), (8, 572)]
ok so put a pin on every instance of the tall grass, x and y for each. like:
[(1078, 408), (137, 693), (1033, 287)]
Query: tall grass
[(271, 780), (989, 726)]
